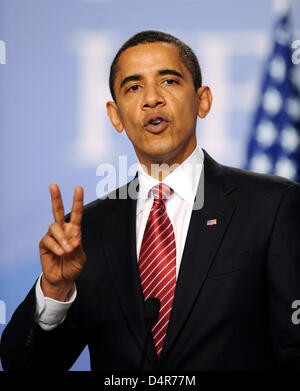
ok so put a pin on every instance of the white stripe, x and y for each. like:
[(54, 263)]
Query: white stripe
[(148, 228), (157, 295), (154, 250), (161, 328), (165, 192), (157, 255), (162, 318), (171, 298), (171, 281), (144, 243), (156, 275), (153, 222), (166, 294), (160, 280), (164, 323), (164, 334), (160, 339), (146, 249), (145, 278), (165, 188), (144, 260), (174, 249), (166, 265), (155, 326)]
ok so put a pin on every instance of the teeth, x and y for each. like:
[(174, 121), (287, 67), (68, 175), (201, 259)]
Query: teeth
[(156, 121)]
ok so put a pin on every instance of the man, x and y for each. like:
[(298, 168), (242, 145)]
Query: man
[(226, 274)]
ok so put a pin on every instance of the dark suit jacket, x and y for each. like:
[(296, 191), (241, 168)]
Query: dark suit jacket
[(233, 302)]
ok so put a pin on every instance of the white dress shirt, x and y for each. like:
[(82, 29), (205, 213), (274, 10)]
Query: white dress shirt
[(184, 181)]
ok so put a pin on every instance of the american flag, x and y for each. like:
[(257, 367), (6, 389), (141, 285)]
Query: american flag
[(274, 145), (211, 222)]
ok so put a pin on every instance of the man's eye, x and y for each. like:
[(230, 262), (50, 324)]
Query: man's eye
[(170, 81), (133, 88)]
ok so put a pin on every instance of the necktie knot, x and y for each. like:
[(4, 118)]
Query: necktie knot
[(161, 193)]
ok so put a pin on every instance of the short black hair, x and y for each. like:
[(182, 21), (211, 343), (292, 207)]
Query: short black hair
[(188, 56)]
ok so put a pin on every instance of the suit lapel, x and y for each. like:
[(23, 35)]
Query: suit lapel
[(201, 245), (120, 247)]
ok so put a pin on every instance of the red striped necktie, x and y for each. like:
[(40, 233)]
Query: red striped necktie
[(157, 262)]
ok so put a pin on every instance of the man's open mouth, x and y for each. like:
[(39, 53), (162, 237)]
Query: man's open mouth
[(155, 123)]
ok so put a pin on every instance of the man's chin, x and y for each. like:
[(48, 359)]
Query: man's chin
[(160, 153)]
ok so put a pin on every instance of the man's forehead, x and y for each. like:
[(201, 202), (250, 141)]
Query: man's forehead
[(145, 47), (156, 55)]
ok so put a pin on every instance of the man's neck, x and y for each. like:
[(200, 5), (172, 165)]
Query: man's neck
[(160, 168)]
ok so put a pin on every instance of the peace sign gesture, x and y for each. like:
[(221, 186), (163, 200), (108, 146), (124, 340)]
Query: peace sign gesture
[(61, 254)]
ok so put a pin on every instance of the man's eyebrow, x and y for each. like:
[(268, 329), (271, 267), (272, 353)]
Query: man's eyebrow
[(130, 78), (138, 77), (170, 72)]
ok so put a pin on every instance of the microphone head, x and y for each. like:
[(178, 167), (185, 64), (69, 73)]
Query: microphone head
[(151, 309)]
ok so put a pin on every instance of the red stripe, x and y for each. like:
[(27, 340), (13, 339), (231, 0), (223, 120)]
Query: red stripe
[(158, 253), (157, 269), (159, 238)]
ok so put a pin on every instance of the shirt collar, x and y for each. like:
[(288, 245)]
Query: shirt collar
[(183, 180)]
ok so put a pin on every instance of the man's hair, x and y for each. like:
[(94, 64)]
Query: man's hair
[(187, 55)]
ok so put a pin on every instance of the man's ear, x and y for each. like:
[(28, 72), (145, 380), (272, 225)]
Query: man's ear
[(205, 101), (113, 113)]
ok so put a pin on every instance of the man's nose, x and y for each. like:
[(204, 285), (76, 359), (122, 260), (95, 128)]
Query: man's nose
[(153, 97)]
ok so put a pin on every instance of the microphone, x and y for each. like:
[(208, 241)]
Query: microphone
[(151, 312)]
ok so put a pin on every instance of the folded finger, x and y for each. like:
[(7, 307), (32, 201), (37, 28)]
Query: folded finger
[(51, 244), (58, 234)]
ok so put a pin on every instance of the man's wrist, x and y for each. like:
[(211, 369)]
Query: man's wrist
[(60, 292)]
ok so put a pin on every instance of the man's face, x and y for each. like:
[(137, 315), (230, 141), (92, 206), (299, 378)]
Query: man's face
[(156, 103)]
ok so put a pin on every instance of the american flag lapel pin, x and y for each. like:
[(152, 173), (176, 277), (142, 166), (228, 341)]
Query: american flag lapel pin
[(212, 222)]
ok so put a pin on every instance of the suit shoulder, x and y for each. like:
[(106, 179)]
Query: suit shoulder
[(247, 182), (259, 183)]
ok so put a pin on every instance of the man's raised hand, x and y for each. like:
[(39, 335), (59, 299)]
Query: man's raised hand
[(61, 254)]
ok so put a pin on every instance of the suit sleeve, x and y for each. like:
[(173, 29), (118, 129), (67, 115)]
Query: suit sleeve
[(26, 346), (283, 280)]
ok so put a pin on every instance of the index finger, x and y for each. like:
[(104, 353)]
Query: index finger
[(77, 207), (57, 204)]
